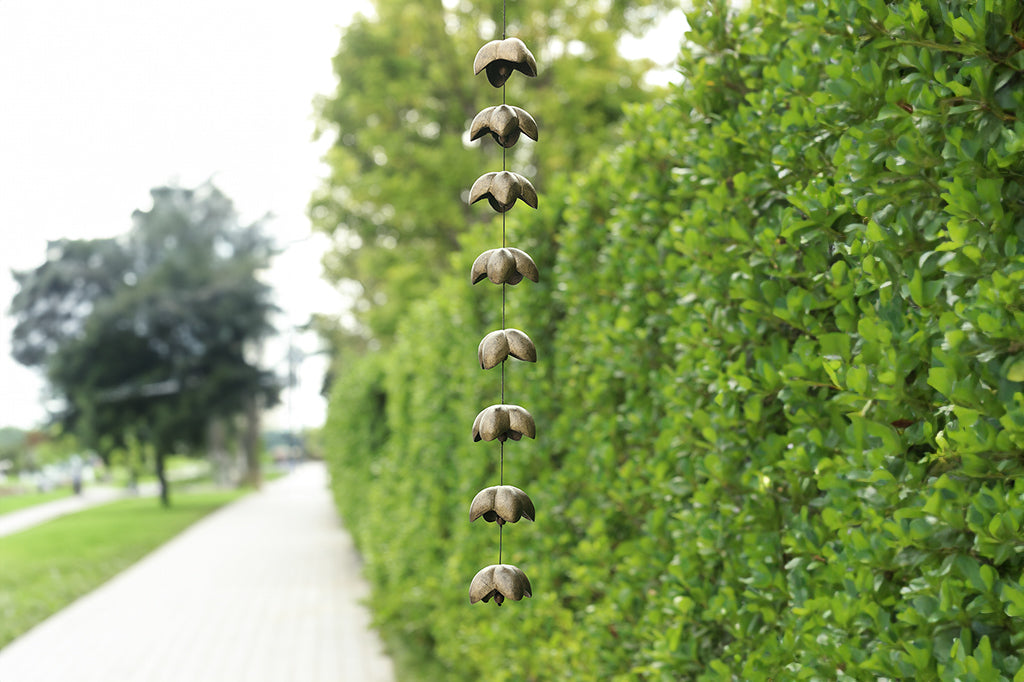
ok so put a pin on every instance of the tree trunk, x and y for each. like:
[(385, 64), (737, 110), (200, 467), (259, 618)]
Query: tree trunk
[(220, 458), (161, 477), (251, 443)]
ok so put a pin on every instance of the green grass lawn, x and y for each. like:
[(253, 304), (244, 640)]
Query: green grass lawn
[(9, 503), (45, 568)]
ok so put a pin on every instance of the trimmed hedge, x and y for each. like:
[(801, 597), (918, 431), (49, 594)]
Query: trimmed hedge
[(780, 396)]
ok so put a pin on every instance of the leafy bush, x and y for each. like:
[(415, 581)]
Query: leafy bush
[(780, 396)]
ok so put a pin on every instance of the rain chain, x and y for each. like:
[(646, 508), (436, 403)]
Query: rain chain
[(506, 266)]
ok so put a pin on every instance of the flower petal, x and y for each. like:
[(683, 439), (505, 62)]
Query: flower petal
[(502, 266), (525, 265), (482, 503), (512, 504), (481, 188), (521, 422), (485, 55), (482, 587), (479, 271), (527, 124), (520, 346), (527, 193), (493, 349), (511, 582), (492, 422)]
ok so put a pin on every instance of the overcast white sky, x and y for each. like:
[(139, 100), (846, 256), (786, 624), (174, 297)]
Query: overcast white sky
[(101, 100)]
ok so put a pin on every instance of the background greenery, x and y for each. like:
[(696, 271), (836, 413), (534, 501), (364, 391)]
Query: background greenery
[(394, 201), (780, 395), (14, 502)]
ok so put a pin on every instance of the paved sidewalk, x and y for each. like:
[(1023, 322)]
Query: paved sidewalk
[(19, 520), (267, 588)]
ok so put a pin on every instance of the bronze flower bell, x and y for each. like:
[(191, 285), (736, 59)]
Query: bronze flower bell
[(501, 57), (504, 266), (500, 581), (502, 503), (502, 422), (504, 123), (500, 344), (501, 189)]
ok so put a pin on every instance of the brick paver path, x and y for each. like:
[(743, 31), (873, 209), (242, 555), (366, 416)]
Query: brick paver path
[(267, 588)]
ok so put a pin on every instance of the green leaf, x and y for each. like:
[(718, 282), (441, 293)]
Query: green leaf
[(857, 379), (1015, 372), (941, 379), (963, 28)]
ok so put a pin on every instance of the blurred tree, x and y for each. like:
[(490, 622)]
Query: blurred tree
[(59, 295), (54, 445), (12, 450), (401, 163), (153, 333)]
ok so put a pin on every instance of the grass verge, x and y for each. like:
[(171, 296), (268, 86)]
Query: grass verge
[(9, 503), (47, 567)]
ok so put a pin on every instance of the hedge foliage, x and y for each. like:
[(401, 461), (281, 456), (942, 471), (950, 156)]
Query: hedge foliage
[(780, 396)]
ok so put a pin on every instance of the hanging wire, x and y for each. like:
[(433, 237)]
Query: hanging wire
[(501, 445)]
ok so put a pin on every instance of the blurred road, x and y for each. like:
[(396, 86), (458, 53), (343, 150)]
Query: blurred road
[(268, 588)]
